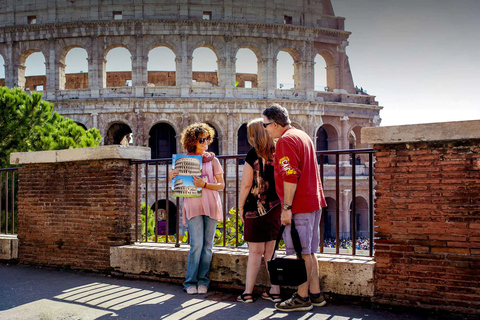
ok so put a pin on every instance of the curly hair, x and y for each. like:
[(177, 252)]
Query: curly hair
[(193, 132)]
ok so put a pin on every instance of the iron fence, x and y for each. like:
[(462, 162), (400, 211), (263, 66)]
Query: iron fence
[(8, 201), (151, 185)]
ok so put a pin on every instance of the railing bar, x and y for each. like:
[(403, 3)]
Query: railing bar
[(322, 220), (146, 204), (156, 202), (224, 201), (354, 207), (137, 195), (1, 178), (337, 205), (6, 202), (178, 223), (370, 207), (236, 202), (13, 202), (166, 215)]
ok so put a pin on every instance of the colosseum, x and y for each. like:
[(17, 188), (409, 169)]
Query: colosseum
[(155, 104)]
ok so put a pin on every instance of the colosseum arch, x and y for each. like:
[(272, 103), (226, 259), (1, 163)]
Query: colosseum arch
[(34, 81), (204, 76), (327, 139), (331, 66), (160, 206), (162, 141), (117, 78), (2, 71), (242, 140), (116, 132), (297, 68), (158, 74), (246, 68), (215, 144), (329, 217), (361, 217), (74, 80)]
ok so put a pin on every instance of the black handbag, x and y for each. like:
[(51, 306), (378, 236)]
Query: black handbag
[(288, 272)]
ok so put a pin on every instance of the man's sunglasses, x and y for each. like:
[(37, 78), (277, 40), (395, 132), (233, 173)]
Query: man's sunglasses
[(203, 140), (266, 124)]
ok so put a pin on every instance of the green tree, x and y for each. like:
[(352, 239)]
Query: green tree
[(28, 123)]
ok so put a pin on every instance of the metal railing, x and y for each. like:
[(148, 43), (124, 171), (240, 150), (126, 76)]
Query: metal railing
[(154, 174), (8, 201)]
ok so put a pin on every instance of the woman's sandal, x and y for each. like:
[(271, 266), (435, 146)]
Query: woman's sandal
[(272, 297), (245, 298)]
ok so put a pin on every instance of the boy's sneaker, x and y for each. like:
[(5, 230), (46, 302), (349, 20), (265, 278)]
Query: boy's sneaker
[(295, 303), (318, 300)]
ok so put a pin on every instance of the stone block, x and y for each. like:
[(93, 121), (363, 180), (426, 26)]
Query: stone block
[(8, 247)]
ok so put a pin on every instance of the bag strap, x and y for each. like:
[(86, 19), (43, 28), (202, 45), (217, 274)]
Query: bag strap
[(295, 238)]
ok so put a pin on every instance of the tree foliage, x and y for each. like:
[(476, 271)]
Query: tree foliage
[(28, 123)]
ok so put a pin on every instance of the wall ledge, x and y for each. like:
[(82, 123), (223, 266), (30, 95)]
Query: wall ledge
[(428, 132), (117, 152)]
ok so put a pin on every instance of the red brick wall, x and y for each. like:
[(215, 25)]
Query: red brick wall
[(427, 220), (71, 213)]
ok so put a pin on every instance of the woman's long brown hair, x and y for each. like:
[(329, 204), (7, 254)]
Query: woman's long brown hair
[(259, 139)]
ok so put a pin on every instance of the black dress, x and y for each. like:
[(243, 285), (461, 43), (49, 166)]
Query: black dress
[(262, 208)]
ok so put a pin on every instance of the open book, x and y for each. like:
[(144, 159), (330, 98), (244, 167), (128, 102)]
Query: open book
[(188, 166)]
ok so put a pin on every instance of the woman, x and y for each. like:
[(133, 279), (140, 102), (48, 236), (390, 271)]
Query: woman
[(201, 213), (259, 207)]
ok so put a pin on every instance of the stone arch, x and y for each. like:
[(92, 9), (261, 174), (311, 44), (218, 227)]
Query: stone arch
[(331, 67), (2, 70), (330, 220), (215, 145), (111, 79), (242, 139), (162, 140), (161, 225), (80, 81), (247, 79), (203, 78), (327, 139), (33, 82), (361, 217), (116, 132), (296, 58), (161, 77), (81, 125)]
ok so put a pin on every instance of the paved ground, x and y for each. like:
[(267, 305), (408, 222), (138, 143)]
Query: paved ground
[(36, 293)]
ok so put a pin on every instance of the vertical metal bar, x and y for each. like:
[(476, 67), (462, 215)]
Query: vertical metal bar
[(1, 178), (322, 220), (137, 195), (236, 201), (167, 200), (178, 223), (225, 201), (146, 202), (6, 201), (156, 202), (13, 202), (370, 195), (354, 207), (337, 209)]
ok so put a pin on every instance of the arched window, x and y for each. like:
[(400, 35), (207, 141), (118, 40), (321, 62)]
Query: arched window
[(242, 143), (361, 217), (2, 71), (204, 68), (327, 139), (161, 67), (116, 133), (81, 125), (214, 147), (118, 68), (246, 69), (162, 216), (35, 72), (320, 73), (162, 141), (330, 222), (285, 71), (76, 69)]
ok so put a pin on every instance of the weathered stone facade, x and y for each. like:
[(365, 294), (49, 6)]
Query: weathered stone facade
[(156, 107)]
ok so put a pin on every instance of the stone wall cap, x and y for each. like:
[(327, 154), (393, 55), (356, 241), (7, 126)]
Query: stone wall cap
[(427, 132), (81, 154)]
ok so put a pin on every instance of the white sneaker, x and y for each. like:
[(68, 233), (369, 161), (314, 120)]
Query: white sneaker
[(202, 289), (192, 290)]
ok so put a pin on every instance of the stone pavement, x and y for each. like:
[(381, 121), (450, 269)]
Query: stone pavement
[(37, 293)]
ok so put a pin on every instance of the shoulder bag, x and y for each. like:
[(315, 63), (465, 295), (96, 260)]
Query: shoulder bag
[(284, 271)]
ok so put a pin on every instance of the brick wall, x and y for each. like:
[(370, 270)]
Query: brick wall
[(427, 220), (71, 213)]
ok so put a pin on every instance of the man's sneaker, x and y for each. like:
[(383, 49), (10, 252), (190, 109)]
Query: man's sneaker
[(318, 301), (295, 303)]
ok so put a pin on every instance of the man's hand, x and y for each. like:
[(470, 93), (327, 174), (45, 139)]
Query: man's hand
[(286, 217)]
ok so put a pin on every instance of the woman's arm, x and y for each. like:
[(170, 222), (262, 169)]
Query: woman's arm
[(247, 181)]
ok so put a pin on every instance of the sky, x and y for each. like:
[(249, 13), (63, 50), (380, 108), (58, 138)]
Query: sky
[(420, 58)]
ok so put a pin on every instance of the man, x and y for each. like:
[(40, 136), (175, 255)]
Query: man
[(298, 184)]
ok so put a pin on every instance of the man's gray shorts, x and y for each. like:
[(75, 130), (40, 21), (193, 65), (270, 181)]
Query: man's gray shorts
[(308, 227)]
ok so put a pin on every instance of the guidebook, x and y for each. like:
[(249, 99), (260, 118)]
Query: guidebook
[(188, 166)]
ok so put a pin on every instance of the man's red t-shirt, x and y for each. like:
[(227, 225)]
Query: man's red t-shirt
[(296, 162)]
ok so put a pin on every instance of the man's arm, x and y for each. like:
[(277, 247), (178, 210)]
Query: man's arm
[(289, 192)]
